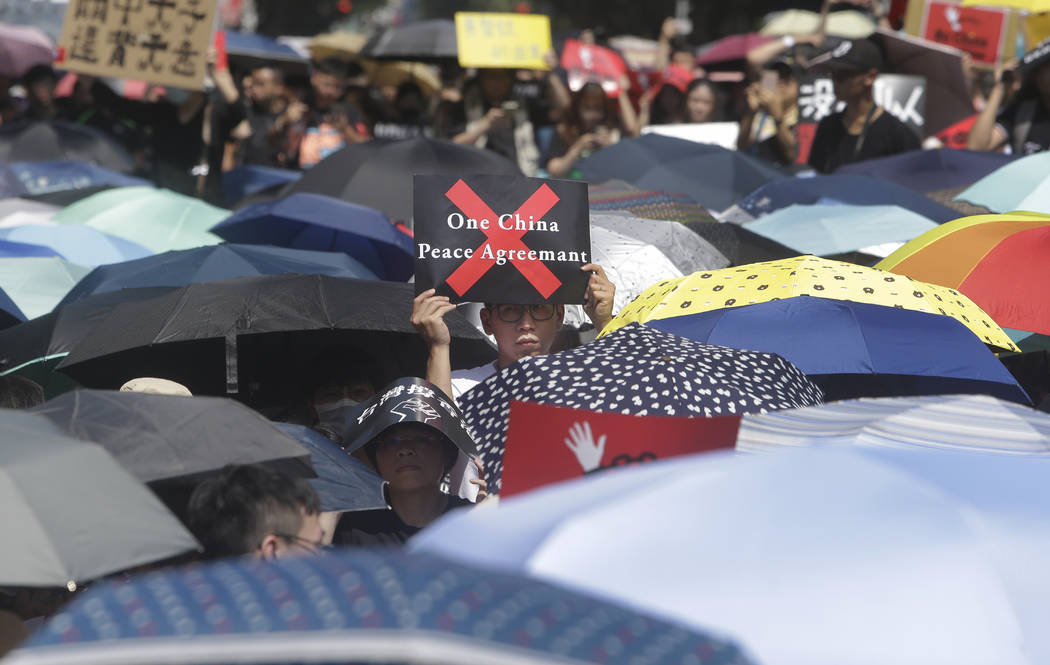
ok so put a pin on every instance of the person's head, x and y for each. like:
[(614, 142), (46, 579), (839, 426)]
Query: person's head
[(589, 108), (18, 392), (328, 80), (409, 100), (521, 330), (412, 456), (338, 380), (40, 83), (496, 85), (853, 65), (787, 81), (253, 510), (266, 85), (682, 53), (701, 101)]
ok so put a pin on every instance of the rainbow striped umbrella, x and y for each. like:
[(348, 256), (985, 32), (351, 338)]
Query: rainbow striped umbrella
[(998, 261)]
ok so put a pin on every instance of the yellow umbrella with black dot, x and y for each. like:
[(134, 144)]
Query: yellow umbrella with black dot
[(805, 276)]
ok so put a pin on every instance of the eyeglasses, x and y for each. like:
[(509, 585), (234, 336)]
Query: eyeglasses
[(305, 543), (513, 313)]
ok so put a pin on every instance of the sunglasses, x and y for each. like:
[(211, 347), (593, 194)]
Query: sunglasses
[(513, 313)]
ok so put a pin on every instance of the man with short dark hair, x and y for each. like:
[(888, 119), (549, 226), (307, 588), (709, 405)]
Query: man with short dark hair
[(256, 511), (324, 123), (267, 118), (863, 130)]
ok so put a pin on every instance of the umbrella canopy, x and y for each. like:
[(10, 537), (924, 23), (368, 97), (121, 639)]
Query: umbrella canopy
[(341, 44), (80, 244), (805, 276), (947, 90), (1019, 185), (741, 246), (343, 483), (62, 141), (686, 250), (18, 211), (878, 350), (424, 40), (158, 219), (850, 23), (813, 557), (248, 179), (317, 222), (212, 264), (360, 606), (838, 228), (35, 178), (22, 47), (640, 371), (191, 335), (998, 261), (18, 250), (10, 314), (71, 513), (729, 49), (930, 170), (854, 190), (157, 437), (378, 173), (249, 49), (616, 195), (36, 285), (963, 422), (710, 174)]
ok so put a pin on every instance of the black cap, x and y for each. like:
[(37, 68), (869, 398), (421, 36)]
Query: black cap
[(1035, 58), (858, 55)]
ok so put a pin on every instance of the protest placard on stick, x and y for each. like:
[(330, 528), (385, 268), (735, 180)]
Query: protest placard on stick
[(159, 41), (492, 39), (486, 238)]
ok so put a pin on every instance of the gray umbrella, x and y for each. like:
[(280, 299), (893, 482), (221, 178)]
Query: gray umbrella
[(158, 437), (70, 513), (689, 252)]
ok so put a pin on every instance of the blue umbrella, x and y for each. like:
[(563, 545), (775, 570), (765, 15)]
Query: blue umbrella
[(853, 349), (825, 229), (1006, 188), (851, 189), (318, 222), (38, 178), (211, 264), (636, 370), (358, 606), (930, 170), (79, 244), (250, 178), (16, 250), (343, 483), (709, 174)]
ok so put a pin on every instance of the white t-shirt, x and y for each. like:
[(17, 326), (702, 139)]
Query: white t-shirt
[(465, 379), (462, 381)]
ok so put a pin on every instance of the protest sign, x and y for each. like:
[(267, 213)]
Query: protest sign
[(489, 39), (159, 41), (511, 239), (549, 444), (584, 63), (901, 95), (988, 34)]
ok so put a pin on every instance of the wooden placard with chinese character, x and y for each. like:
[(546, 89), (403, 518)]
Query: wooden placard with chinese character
[(988, 34), (159, 41), (490, 39)]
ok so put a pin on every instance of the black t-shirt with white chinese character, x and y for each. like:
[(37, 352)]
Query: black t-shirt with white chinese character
[(833, 146)]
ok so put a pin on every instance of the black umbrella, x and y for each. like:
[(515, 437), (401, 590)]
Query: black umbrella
[(378, 173), (53, 141), (425, 40), (260, 334), (636, 370), (162, 437), (709, 174), (740, 245)]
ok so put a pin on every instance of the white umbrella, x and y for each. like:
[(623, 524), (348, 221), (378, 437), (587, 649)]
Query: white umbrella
[(818, 556), (687, 250)]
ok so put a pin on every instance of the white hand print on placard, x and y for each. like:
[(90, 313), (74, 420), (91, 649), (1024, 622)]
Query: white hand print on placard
[(582, 444)]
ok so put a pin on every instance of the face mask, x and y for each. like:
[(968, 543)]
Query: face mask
[(334, 413)]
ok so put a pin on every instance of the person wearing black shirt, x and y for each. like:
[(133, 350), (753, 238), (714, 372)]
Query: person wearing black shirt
[(1024, 125), (863, 130)]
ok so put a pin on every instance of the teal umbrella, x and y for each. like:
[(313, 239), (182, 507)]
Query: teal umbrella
[(36, 284), (1023, 184), (158, 219), (838, 228)]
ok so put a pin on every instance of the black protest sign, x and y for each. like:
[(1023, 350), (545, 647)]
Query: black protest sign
[(504, 239), (407, 400)]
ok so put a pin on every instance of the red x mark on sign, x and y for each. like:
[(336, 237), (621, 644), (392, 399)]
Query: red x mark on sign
[(471, 270)]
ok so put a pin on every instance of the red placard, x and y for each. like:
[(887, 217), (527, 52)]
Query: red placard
[(584, 63), (549, 444), (979, 32), (806, 132), (956, 135)]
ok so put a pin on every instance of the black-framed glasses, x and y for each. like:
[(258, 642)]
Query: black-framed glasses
[(305, 543), (513, 313)]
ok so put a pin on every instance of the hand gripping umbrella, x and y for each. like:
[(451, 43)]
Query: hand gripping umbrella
[(640, 371)]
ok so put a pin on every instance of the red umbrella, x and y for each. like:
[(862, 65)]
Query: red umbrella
[(22, 47), (728, 49)]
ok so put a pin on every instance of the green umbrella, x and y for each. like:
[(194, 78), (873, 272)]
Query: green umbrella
[(36, 284), (158, 219)]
